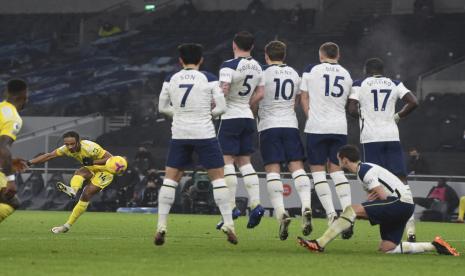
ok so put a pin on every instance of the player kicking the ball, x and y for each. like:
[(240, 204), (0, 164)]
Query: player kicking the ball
[(390, 204), (191, 93), (280, 138), (99, 168)]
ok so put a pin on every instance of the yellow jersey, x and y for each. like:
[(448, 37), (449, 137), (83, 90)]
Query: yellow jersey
[(10, 121), (88, 149)]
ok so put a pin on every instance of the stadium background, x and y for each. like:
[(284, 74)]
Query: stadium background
[(105, 87)]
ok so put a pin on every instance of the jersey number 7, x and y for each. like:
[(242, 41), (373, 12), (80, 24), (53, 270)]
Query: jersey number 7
[(188, 88)]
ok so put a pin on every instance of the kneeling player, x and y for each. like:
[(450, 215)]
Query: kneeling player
[(99, 168), (390, 204), (191, 93)]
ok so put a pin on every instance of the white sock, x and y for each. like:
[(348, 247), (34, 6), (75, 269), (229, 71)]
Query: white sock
[(412, 248), (342, 188), (165, 201), (275, 192), (411, 225), (303, 187), (230, 178), (342, 223), (222, 196), (251, 183), (324, 193)]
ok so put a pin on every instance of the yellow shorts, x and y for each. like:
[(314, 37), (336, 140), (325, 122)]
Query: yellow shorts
[(101, 179), (3, 180)]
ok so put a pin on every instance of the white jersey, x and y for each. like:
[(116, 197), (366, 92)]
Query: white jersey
[(372, 175), (191, 94), (328, 86), (377, 97), (244, 75), (276, 109)]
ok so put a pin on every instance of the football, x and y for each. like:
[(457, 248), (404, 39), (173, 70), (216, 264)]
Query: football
[(116, 164)]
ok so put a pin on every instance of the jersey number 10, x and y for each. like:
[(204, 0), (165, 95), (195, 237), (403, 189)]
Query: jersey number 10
[(282, 89)]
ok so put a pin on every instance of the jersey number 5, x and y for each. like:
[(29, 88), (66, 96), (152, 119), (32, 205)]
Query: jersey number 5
[(335, 84), (188, 88), (247, 77)]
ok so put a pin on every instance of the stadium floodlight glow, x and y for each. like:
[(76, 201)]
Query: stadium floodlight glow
[(149, 7)]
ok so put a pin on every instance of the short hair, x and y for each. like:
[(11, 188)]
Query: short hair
[(374, 66), (244, 40), (330, 50), (71, 134), (15, 87), (276, 50), (350, 152), (190, 53)]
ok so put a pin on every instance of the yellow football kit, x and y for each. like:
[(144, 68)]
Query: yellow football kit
[(101, 177), (10, 125)]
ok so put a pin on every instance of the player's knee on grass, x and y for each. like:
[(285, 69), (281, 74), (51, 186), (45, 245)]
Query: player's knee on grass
[(386, 246)]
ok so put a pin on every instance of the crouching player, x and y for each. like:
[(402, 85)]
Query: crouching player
[(390, 204), (99, 168), (188, 96)]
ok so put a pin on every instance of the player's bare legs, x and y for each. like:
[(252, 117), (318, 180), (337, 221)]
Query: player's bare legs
[(303, 187), (323, 191), (251, 183), (89, 191), (222, 199)]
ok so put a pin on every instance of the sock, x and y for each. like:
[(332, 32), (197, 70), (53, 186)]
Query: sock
[(411, 225), (275, 192), (222, 196), (78, 210), (324, 193), (342, 188), (5, 211), (413, 247), (76, 182), (342, 223), (165, 201), (303, 187), (251, 183), (230, 178), (461, 208)]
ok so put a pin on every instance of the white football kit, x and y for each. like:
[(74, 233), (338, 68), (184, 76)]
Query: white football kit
[(328, 86), (191, 94), (244, 75), (276, 109), (377, 97)]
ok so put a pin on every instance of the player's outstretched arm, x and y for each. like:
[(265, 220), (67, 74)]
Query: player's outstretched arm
[(304, 102), (352, 108), (42, 158), (411, 103), (257, 96)]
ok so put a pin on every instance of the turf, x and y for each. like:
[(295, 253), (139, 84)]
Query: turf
[(121, 244)]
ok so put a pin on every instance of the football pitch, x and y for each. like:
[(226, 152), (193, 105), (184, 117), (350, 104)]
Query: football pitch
[(121, 244)]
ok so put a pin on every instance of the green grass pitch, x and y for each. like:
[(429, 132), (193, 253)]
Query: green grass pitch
[(121, 244)]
